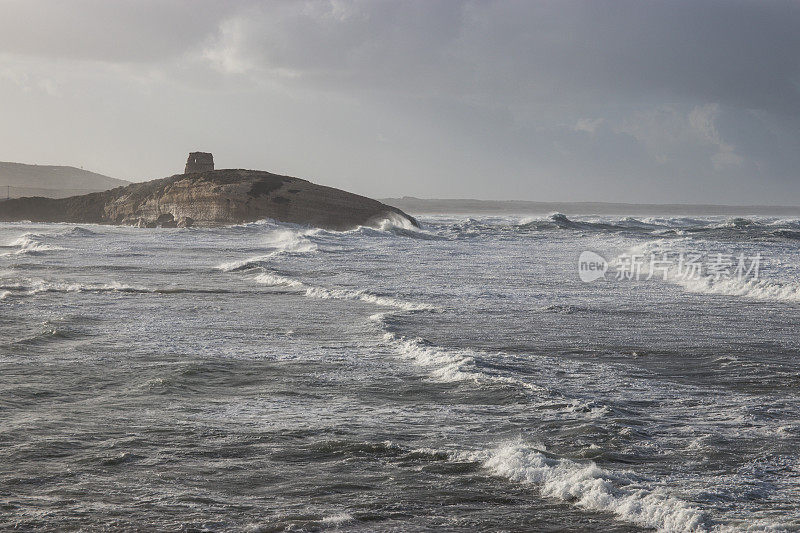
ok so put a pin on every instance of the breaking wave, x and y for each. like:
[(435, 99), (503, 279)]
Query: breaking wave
[(446, 366), (338, 519), (590, 487), (395, 221), (312, 291), (41, 286), (281, 241), (275, 280), (757, 289), (774, 290), (31, 243), (81, 232), (737, 229), (365, 296)]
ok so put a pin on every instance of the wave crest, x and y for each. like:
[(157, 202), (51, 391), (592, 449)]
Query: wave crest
[(31, 243), (757, 289), (283, 241), (590, 487)]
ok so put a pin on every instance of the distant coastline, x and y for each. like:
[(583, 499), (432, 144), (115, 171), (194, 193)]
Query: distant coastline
[(19, 180), (419, 206)]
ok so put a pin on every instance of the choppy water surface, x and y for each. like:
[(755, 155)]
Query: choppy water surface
[(269, 377)]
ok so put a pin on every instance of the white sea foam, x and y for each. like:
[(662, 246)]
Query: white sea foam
[(365, 296), (757, 289), (764, 289), (275, 280), (323, 293), (395, 220), (292, 241), (4, 294), (30, 243), (444, 365), (590, 487), (33, 287), (338, 519), (591, 409), (86, 287), (232, 266), (280, 241)]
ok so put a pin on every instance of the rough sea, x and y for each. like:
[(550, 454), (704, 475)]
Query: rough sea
[(457, 377)]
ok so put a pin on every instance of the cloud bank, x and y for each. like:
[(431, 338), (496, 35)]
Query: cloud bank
[(554, 100)]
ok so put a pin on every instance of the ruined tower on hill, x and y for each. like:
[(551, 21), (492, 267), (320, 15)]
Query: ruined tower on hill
[(199, 162)]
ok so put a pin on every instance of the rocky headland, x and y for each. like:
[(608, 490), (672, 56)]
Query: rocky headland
[(210, 198)]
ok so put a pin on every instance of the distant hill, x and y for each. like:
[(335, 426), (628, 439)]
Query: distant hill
[(18, 180)]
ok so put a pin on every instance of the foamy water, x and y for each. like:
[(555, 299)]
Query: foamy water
[(269, 377)]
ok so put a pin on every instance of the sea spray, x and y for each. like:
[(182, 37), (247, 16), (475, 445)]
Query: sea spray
[(31, 243), (281, 242)]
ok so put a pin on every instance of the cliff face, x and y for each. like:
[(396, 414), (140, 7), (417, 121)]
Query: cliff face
[(211, 198)]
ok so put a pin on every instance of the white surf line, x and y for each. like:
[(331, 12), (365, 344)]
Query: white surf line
[(444, 365)]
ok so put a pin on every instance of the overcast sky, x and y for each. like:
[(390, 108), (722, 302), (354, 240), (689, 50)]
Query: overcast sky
[(694, 102)]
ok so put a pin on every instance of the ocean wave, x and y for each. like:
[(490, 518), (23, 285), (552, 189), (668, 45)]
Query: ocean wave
[(389, 229), (4, 294), (564, 309), (275, 280), (395, 221), (446, 366), (38, 287), (47, 336), (774, 290), (324, 293), (736, 229), (245, 264), (757, 289), (41, 286), (582, 484), (590, 487), (338, 519), (678, 221), (292, 241), (31, 243), (791, 234), (281, 241), (366, 296), (81, 232)]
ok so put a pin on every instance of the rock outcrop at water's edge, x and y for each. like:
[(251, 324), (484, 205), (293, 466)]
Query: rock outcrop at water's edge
[(212, 198)]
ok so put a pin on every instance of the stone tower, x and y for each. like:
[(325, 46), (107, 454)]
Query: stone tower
[(199, 162)]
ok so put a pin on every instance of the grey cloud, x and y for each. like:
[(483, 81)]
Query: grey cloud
[(139, 31), (589, 52), (619, 100)]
